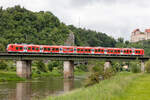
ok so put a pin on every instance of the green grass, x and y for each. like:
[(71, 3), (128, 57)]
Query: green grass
[(116, 88), (9, 76), (139, 89)]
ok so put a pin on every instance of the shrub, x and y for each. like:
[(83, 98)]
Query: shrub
[(98, 74), (82, 67), (135, 66), (147, 66), (41, 66), (3, 65)]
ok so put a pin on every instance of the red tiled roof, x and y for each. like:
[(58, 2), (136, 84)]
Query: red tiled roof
[(147, 30)]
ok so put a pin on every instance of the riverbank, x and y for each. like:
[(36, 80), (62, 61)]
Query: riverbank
[(118, 87), (11, 76)]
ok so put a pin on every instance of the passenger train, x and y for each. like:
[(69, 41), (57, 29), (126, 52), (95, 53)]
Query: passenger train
[(50, 49)]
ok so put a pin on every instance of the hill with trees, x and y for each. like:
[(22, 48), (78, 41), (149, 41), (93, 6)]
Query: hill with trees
[(19, 25), (84, 37)]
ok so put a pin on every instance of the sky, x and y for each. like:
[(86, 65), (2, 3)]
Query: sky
[(116, 18)]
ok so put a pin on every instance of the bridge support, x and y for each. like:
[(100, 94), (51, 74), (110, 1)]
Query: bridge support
[(68, 69), (107, 65), (24, 68), (142, 66)]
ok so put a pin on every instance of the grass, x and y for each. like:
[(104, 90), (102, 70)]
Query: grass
[(9, 76), (139, 89), (120, 87)]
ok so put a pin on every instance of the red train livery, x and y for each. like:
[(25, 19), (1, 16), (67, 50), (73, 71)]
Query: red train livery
[(24, 48)]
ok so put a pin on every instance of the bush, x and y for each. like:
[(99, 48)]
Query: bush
[(147, 66), (135, 67), (41, 66), (98, 74), (3, 65), (82, 67)]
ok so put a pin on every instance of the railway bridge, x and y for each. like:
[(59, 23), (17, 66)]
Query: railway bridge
[(23, 61)]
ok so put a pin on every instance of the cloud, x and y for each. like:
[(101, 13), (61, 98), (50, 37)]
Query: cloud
[(117, 18)]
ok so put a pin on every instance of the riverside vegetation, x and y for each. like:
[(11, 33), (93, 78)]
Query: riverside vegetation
[(123, 86)]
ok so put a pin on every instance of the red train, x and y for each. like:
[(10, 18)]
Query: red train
[(24, 48)]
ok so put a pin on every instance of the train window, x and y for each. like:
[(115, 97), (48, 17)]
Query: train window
[(124, 51), (44, 49), (11, 46), (32, 48), (71, 49), (136, 52), (139, 52), (56, 49), (75, 49), (118, 51), (89, 50), (95, 50), (53, 49), (99, 50), (78, 49), (102, 50), (127, 51), (111, 50), (130, 51), (37, 48), (29, 48), (16, 48), (86, 50), (115, 51), (81, 49), (49, 49), (20, 48)]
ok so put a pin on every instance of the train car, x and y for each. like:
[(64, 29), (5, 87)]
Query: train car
[(24, 48)]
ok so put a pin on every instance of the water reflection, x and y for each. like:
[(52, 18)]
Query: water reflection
[(38, 89), (23, 91), (68, 85)]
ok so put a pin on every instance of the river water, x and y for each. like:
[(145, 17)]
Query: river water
[(39, 89)]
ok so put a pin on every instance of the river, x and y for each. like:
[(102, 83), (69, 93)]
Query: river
[(38, 89)]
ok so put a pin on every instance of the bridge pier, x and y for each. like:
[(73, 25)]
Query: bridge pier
[(142, 66), (24, 68), (68, 69), (107, 65)]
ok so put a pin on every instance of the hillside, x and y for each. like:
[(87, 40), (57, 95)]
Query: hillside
[(19, 25), (84, 37)]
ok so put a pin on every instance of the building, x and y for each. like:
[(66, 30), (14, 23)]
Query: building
[(137, 35)]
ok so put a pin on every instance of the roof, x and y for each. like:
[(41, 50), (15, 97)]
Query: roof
[(147, 30)]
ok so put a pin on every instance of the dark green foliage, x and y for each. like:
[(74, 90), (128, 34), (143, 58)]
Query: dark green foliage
[(3, 65), (41, 66), (82, 67), (55, 64), (85, 37), (135, 66), (19, 25), (98, 73), (147, 66)]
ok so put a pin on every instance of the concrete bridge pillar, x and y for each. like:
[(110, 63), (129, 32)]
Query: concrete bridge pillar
[(68, 69), (107, 65), (142, 66), (24, 68)]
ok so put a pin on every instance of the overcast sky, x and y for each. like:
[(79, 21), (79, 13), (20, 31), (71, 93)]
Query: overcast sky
[(117, 18)]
